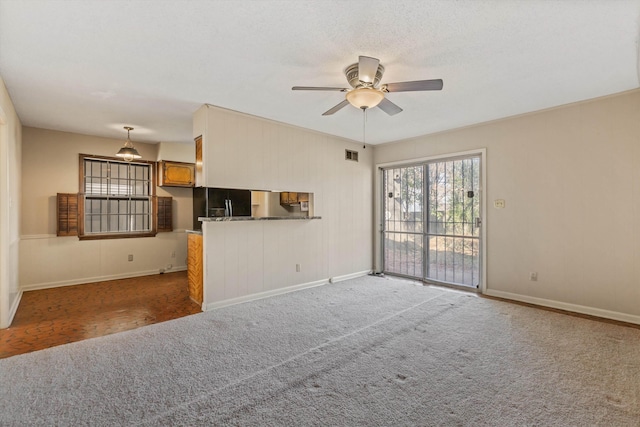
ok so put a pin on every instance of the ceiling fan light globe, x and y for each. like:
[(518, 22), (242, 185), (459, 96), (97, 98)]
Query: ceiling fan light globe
[(364, 97)]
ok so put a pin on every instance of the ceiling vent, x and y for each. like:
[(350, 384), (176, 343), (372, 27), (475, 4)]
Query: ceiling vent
[(351, 155)]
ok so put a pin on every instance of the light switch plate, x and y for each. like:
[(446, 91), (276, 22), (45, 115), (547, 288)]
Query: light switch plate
[(498, 203)]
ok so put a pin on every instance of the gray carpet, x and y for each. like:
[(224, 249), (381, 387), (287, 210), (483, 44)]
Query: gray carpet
[(365, 352)]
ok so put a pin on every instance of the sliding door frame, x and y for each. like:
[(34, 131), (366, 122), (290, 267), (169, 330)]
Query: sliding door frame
[(379, 206)]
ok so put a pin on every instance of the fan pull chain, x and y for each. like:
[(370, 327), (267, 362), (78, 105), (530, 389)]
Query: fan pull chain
[(364, 128)]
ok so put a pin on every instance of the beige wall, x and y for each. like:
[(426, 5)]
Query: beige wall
[(50, 166), (245, 259), (570, 177), (10, 155), (177, 152)]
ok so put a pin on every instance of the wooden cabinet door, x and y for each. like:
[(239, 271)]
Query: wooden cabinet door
[(194, 267), (284, 198), (176, 174), (292, 198), (288, 198)]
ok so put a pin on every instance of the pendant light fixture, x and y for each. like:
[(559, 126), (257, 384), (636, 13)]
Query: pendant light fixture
[(128, 152)]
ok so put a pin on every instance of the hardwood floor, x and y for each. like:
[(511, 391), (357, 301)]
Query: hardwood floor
[(51, 317)]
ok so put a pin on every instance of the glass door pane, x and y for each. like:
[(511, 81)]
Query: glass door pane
[(453, 232), (403, 221)]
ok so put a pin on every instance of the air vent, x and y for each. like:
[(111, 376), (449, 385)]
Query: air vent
[(351, 155)]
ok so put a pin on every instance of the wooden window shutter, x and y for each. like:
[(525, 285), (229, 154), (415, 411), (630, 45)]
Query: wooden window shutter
[(164, 214), (67, 214)]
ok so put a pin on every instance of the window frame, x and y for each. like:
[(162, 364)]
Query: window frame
[(153, 208)]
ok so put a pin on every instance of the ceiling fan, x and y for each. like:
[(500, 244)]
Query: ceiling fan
[(366, 92)]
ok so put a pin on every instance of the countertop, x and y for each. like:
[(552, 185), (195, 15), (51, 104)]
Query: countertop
[(251, 218)]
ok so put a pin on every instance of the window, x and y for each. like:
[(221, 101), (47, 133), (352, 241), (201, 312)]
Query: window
[(116, 198)]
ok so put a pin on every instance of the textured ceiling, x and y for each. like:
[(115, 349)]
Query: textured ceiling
[(93, 66)]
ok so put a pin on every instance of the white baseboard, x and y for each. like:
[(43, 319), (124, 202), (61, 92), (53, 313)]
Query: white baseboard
[(14, 308), (83, 280), (598, 312), (274, 292), (262, 295), (348, 276), (175, 269)]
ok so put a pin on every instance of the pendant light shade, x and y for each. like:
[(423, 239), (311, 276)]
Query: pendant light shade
[(364, 97), (128, 151)]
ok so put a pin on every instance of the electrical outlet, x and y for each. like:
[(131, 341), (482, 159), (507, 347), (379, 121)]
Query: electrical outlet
[(298, 268), (130, 258), (498, 203), (533, 276), (173, 254)]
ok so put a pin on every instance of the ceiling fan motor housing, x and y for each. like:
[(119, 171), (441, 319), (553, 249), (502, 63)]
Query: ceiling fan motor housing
[(351, 72)]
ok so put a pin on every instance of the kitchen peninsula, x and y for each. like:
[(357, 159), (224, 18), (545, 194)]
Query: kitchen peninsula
[(278, 247), (251, 218)]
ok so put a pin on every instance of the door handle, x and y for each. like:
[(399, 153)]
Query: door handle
[(478, 222)]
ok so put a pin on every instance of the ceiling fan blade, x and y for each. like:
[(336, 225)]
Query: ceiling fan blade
[(336, 108), (339, 89), (435, 84), (367, 68), (389, 107)]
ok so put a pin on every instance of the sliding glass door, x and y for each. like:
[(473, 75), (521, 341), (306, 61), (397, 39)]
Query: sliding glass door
[(431, 221)]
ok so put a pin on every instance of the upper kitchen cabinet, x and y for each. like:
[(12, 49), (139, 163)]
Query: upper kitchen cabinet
[(176, 174), (291, 198), (288, 198), (248, 152)]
